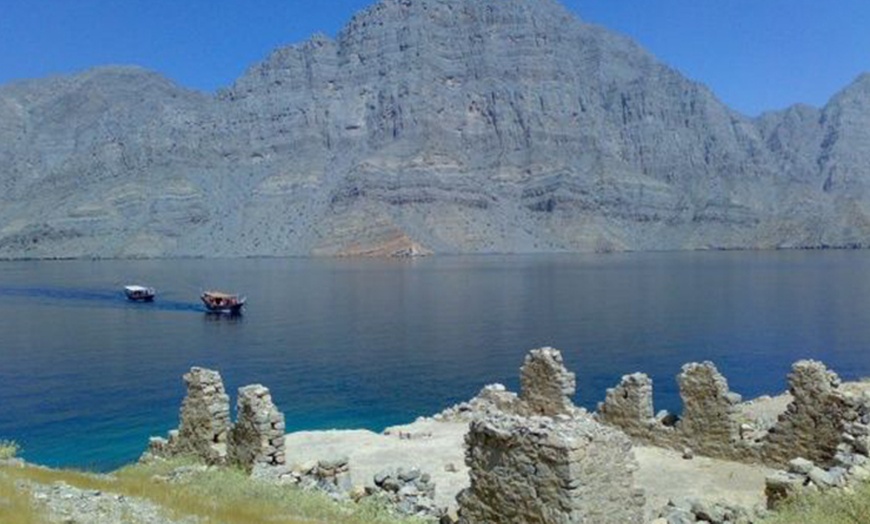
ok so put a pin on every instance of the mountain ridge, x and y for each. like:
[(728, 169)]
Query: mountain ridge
[(445, 126)]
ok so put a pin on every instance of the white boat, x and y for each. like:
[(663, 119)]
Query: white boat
[(138, 293), (220, 302)]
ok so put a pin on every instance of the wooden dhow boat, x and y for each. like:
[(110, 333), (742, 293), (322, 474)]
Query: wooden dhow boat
[(220, 302)]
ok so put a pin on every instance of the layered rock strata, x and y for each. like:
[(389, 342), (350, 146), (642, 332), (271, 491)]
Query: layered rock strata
[(426, 126)]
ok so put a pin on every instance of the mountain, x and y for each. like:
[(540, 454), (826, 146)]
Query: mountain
[(439, 126)]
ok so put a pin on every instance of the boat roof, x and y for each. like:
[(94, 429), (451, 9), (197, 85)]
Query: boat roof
[(219, 294), (136, 287)]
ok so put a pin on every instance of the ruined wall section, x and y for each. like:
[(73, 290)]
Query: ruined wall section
[(204, 420), (257, 438), (546, 470), (823, 423), (629, 406), (710, 422), (814, 422), (206, 432), (546, 386), (709, 425)]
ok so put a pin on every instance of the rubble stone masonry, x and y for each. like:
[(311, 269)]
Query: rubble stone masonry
[(258, 435), (548, 470), (546, 386), (204, 420), (709, 424), (813, 424)]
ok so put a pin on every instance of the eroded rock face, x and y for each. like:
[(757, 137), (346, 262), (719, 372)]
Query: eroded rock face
[(546, 385), (553, 471), (425, 126), (257, 437)]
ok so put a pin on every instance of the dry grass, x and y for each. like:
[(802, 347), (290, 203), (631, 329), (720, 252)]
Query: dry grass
[(832, 507), (15, 504), (8, 449), (224, 496)]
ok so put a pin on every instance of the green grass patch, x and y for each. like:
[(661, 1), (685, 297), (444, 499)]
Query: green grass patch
[(8, 449), (830, 507), (216, 495)]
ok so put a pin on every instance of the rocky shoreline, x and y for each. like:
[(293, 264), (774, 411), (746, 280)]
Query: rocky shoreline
[(722, 460)]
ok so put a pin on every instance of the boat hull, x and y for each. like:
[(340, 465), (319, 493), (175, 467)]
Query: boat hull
[(148, 298), (232, 310), (139, 293), (222, 303)]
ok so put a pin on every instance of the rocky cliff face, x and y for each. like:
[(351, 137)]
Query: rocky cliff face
[(426, 126)]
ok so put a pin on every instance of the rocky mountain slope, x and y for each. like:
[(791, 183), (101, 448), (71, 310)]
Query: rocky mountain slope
[(438, 126)]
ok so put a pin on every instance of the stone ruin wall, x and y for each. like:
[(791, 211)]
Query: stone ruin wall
[(539, 459), (709, 424), (548, 470), (205, 430), (204, 420), (812, 426), (546, 387), (257, 438), (818, 422)]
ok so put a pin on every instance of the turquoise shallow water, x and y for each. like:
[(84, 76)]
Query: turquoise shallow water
[(86, 377)]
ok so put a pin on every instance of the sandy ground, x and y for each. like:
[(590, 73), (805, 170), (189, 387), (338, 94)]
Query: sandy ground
[(432, 446), (665, 475)]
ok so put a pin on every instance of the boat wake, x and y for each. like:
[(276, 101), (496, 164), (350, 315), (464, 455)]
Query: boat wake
[(72, 297)]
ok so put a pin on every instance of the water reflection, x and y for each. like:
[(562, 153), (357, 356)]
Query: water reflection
[(222, 317)]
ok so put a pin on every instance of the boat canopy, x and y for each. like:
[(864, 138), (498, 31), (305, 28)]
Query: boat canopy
[(220, 294)]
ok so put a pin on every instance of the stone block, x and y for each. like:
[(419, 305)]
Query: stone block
[(800, 466), (582, 472)]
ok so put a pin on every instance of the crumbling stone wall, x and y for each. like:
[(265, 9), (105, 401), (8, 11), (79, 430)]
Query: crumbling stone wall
[(546, 386), (709, 424), (822, 424), (812, 425), (205, 430), (258, 435), (548, 470), (204, 420), (629, 406)]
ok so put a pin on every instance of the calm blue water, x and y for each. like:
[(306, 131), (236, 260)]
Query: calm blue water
[(86, 377)]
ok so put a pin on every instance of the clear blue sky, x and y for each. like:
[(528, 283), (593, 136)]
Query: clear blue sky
[(754, 54)]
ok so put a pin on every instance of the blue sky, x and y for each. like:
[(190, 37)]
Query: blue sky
[(755, 55)]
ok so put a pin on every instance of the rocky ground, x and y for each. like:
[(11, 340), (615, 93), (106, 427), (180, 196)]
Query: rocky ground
[(62, 503), (436, 447)]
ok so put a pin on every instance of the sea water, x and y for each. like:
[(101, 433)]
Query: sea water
[(86, 376)]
